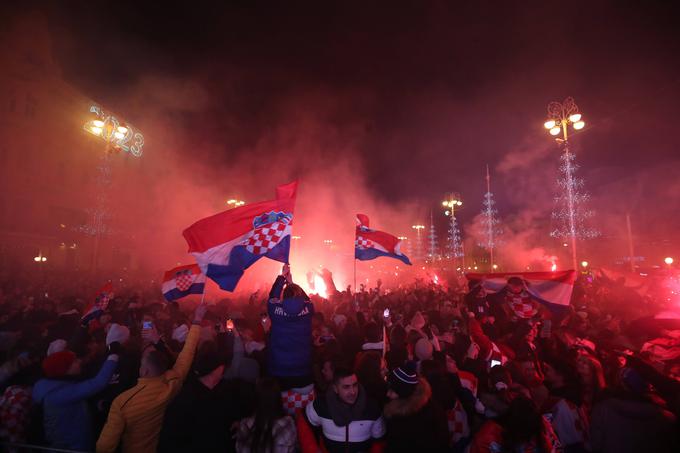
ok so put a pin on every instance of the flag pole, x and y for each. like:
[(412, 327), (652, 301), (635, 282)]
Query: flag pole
[(205, 287), (355, 278)]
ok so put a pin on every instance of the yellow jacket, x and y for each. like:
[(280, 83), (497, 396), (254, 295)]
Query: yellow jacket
[(136, 416)]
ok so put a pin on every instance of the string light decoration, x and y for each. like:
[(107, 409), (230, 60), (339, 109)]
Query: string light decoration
[(100, 217), (433, 239), (490, 221), (571, 214), (119, 135), (454, 241)]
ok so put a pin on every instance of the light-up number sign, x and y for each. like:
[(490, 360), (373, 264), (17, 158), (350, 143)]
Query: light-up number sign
[(126, 137)]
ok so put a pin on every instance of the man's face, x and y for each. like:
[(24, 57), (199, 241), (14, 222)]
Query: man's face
[(515, 288), (347, 389)]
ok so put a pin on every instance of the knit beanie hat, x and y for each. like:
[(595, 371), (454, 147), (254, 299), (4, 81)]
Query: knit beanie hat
[(423, 349), (118, 333), (56, 346), (403, 380), (180, 333), (57, 364)]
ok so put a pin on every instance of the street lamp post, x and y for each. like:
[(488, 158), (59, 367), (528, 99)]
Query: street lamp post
[(560, 116), (419, 244), (403, 240), (117, 136)]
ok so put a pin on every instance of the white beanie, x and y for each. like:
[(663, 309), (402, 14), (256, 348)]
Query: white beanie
[(180, 333), (118, 333), (56, 346)]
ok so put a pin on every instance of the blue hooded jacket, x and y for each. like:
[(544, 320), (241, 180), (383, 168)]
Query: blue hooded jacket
[(290, 340), (67, 420)]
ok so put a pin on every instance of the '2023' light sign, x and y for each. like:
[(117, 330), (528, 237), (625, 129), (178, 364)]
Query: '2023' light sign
[(123, 136)]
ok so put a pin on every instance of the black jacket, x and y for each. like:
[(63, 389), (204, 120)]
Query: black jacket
[(199, 419), (416, 423)]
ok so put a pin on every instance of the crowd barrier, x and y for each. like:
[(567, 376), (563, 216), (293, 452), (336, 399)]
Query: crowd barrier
[(28, 448)]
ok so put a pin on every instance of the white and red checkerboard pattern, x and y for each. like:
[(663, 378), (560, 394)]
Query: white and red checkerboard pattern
[(363, 243), (184, 281), (293, 401), (15, 405), (263, 239), (523, 307), (457, 420)]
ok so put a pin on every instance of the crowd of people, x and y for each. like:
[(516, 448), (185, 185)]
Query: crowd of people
[(418, 368)]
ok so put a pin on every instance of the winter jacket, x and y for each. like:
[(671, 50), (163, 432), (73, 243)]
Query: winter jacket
[(626, 425), (489, 439), (416, 423), (67, 419), (290, 341), (284, 436), (136, 415), (346, 428), (198, 419)]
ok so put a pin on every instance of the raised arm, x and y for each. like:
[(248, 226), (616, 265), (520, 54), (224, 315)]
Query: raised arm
[(85, 389), (186, 356)]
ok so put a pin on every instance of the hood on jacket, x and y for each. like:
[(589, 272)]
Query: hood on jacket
[(294, 305), (404, 407)]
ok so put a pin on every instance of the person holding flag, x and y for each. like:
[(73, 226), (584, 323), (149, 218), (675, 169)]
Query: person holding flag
[(136, 415), (290, 340)]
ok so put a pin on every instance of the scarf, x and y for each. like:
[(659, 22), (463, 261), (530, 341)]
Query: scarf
[(342, 413)]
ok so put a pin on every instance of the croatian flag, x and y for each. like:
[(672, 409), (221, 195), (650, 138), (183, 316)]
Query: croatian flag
[(371, 244), (552, 289), (101, 302), (182, 281), (228, 243)]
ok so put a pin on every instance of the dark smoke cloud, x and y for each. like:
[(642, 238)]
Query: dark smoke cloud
[(384, 116)]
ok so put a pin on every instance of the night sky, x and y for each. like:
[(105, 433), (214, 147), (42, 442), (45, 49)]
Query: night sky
[(420, 95)]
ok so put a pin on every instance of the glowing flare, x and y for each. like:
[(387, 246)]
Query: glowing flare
[(553, 267), (96, 130), (320, 286), (555, 130), (575, 117), (122, 129), (579, 125), (668, 260), (549, 124), (98, 123)]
